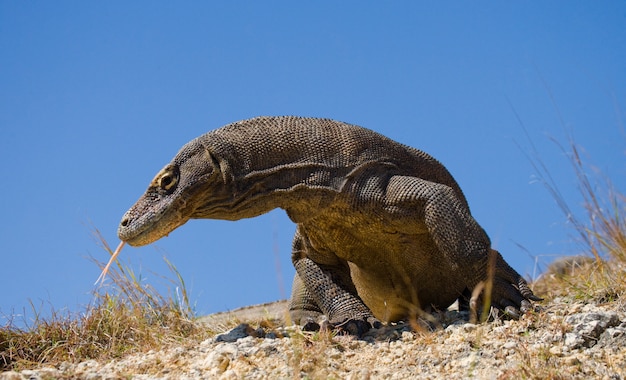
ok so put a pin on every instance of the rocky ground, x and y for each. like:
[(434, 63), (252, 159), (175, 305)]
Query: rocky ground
[(562, 339)]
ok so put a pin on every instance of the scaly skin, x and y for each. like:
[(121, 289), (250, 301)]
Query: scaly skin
[(383, 229)]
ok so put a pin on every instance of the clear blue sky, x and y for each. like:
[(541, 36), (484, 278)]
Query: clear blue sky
[(95, 97)]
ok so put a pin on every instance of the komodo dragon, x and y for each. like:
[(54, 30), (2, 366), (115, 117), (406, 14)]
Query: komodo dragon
[(382, 230)]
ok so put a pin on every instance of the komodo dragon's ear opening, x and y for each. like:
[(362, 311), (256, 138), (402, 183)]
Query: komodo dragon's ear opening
[(219, 166)]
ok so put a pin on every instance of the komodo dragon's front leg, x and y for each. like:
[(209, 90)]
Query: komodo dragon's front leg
[(462, 243), (326, 289)]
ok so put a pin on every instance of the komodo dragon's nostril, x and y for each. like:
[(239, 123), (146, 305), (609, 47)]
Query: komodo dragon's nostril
[(125, 222)]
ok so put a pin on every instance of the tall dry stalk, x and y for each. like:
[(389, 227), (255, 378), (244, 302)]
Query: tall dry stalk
[(124, 317)]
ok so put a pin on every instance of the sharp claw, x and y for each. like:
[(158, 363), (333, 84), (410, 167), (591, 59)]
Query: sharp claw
[(525, 306), (533, 297), (512, 312)]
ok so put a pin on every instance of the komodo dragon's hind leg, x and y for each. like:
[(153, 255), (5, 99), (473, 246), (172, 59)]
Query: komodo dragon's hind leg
[(329, 290)]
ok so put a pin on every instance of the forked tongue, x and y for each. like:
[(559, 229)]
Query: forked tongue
[(111, 260)]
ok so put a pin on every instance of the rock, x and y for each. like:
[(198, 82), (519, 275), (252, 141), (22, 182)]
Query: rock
[(556, 351), (568, 265), (216, 361), (573, 341), (613, 337), (407, 336), (10, 375), (241, 331), (572, 360), (38, 374), (588, 327), (509, 345)]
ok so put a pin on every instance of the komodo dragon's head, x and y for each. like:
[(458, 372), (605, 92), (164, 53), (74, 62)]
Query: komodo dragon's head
[(174, 196)]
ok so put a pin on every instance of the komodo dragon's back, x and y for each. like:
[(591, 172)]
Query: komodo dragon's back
[(383, 229), (271, 143)]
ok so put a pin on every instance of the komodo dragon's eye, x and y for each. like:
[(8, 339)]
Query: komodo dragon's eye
[(168, 180)]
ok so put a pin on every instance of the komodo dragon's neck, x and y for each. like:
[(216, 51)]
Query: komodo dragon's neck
[(248, 168)]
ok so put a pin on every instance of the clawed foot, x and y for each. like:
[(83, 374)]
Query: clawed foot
[(510, 292), (356, 327), (513, 299)]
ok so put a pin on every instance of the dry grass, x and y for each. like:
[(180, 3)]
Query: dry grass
[(308, 352), (601, 235), (126, 317), (598, 274)]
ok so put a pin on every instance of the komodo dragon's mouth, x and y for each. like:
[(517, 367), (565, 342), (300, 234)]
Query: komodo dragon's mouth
[(139, 228)]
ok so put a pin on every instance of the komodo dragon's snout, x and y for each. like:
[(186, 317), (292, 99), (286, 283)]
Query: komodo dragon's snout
[(382, 230)]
